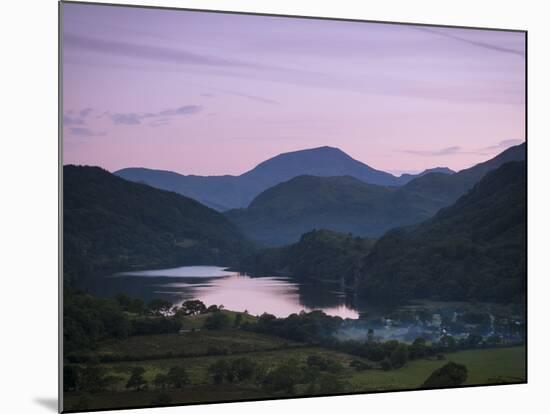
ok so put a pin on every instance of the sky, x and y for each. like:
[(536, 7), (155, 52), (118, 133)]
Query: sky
[(211, 93)]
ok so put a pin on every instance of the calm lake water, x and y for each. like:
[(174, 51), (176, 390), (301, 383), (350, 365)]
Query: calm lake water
[(213, 285)]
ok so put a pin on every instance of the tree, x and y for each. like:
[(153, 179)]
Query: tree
[(238, 319), (218, 371), (449, 375), (177, 377), (123, 300), (385, 364), (370, 335), (160, 306), (283, 378), (418, 348), (93, 378), (136, 305), (161, 381), (193, 307), (243, 369), (447, 342), (473, 341), (324, 364), (136, 380), (400, 356), (218, 320), (390, 346), (110, 381)]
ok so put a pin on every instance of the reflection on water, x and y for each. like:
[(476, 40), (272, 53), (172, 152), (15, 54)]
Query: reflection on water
[(216, 286)]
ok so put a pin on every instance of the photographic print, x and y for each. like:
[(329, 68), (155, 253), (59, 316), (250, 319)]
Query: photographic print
[(260, 207)]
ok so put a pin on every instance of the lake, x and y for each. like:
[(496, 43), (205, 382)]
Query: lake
[(213, 285)]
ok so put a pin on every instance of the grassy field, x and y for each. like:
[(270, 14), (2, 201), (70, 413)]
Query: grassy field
[(197, 366), (193, 344), (197, 351), (201, 393), (485, 366)]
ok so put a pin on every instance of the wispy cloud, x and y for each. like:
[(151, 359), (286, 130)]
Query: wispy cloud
[(70, 120), (239, 94), (85, 132), (502, 145), (133, 118), (85, 112), (454, 150), (78, 125), (160, 122), (477, 43), (156, 53), (255, 98), (457, 150)]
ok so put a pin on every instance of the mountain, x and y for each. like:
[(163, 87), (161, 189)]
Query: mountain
[(282, 213), (321, 162), (472, 250), (228, 192), (111, 224), (447, 188), (405, 178)]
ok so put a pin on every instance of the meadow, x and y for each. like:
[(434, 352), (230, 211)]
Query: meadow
[(199, 349)]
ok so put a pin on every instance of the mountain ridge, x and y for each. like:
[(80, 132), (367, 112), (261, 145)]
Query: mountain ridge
[(282, 213), (224, 192)]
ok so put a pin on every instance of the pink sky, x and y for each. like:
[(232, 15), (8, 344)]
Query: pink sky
[(210, 93)]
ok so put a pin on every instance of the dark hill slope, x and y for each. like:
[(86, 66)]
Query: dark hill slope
[(318, 255), (472, 250), (281, 214), (112, 224)]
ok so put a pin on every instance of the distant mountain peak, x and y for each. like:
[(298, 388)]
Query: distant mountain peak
[(227, 191), (317, 151), (442, 170)]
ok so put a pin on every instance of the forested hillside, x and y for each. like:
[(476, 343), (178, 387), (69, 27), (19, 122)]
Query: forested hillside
[(112, 224), (472, 250)]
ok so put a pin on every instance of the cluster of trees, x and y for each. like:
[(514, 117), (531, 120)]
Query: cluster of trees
[(388, 355), (318, 373), (94, 378), (320, 254), (176, 377), (88, 320), (310, 327), (91, 378), (235, 371)]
